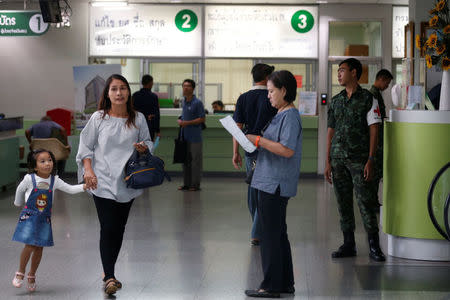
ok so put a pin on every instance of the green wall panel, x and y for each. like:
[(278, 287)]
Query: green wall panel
[(413, 153)]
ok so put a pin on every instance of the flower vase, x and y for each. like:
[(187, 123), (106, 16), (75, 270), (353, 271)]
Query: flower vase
[(444, 100)]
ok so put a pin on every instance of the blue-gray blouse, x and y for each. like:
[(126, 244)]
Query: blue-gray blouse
[(273, 171)]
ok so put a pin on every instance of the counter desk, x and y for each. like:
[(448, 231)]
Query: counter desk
[(217, 144), (416, 147)]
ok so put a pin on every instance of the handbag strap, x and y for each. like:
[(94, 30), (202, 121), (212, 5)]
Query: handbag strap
[(180, 133)]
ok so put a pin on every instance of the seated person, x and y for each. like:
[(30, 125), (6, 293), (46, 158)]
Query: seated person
[(217, 106), (45, 129)]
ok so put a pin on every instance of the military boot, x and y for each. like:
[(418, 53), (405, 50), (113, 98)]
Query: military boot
[(348, 249), (374, 247)]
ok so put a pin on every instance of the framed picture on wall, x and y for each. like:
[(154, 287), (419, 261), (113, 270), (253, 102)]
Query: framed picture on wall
[(409, 40), (409, 49)]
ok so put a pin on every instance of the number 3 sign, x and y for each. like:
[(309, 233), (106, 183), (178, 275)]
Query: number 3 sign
[(302, 21), (186, 20)]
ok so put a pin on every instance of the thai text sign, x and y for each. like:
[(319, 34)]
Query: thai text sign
[(22, 23), (145, 30), (258, 31)]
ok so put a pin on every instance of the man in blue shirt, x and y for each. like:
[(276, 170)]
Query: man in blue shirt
[(192, 117), (253, 112), (146, 102)]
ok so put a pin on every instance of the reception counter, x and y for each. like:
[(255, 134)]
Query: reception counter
[(416, 146), (9, 150), (217, 144)]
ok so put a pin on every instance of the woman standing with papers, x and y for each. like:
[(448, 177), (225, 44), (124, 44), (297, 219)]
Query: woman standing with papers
[(276, 179)]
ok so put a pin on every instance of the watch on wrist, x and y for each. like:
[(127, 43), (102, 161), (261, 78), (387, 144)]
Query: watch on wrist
[(371, 158)]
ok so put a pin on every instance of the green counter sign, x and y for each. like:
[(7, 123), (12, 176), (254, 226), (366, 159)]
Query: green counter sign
[(186, 20), (22, 23), (302, 21)]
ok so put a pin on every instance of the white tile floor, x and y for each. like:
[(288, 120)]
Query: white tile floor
[(195, 245)]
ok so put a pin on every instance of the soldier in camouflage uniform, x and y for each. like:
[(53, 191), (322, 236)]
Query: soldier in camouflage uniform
[(382, 81), (353, 118)]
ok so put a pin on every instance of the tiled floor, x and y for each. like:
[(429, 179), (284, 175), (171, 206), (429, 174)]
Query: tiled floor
[(195, 245)]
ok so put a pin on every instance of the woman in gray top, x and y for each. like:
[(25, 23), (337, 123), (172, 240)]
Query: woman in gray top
[(276, 179), (106, 143)]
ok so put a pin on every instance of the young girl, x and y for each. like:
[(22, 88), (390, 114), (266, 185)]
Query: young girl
[(34, 227)]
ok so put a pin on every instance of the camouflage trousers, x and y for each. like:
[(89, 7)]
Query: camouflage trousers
[(348, 175)]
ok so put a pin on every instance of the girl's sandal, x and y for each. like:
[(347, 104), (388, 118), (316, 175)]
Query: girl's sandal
[(17, 282), (110, 286), (31, 284)]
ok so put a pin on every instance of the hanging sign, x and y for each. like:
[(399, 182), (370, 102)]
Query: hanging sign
[(257, 31), (22, 23), (145, 30), (400, 17)]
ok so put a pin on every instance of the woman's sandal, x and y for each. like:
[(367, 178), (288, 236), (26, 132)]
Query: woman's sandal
[(31, 285), (110, 286), (118, 284), (17, 282)]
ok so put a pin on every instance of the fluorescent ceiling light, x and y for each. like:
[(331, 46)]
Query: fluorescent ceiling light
[(110, 3)]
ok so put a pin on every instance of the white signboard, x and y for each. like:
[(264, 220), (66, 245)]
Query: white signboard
[(145, 30), (399, 20), (258, 31)]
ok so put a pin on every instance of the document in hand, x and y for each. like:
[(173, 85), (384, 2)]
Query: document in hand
[(230, 125)]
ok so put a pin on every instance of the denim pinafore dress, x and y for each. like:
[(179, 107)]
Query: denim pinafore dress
[(35, 227)]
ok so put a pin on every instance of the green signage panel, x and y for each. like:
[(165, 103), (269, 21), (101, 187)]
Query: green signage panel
[(302, 21), (186, 20), (22, 23)]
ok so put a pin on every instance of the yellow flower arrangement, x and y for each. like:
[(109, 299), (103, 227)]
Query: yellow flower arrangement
[(445, 63), (432, 40), (429, 63), (447, 29), (437, 46), (433, 21), (440, 50)]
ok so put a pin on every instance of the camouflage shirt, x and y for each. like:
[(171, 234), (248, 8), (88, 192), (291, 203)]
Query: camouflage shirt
[(349, 119)]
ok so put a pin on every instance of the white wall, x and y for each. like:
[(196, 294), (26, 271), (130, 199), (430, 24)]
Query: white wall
[(342, 12), (36, 71)]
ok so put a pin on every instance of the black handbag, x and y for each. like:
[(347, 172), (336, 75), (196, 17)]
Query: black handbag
[(180, 150), (144, 170)]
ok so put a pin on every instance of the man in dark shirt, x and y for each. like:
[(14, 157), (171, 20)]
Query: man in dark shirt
[(382, 81), (253, 112), (146, 102)]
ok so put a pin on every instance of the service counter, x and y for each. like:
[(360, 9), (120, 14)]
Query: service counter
[(9, 150), (217, 144), (416, 147)]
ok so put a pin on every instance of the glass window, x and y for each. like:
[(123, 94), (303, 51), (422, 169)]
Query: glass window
[(355, 39), (226, 79), (168, 78), (130, 70), (397, 70)]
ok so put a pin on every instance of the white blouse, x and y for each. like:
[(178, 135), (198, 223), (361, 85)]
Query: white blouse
[(109, 143), (26, 186)]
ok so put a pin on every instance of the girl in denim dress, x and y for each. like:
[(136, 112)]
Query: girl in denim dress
[(34, 228)]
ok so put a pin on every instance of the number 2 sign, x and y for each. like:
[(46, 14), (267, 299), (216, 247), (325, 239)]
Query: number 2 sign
[(186, 20)]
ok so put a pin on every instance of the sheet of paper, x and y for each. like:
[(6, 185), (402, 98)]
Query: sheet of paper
[(230, 125), (308, 103)]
